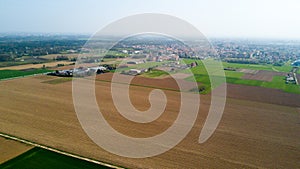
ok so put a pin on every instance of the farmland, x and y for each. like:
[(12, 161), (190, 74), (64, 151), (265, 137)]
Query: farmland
[(36, 66), (259, 127), (267, 76), (155, 73), (5, 74), (10, 149), (269, 140), (41, 158)]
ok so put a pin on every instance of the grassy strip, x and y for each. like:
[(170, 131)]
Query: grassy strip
[(155, 73), (278, 82), (5, 74), (54, 150), (284, 68)]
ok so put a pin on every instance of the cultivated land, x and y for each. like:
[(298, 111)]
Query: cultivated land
[(6, 74), (253, 133), (36, 66), (41, 158), (267, 76), (10, 149)]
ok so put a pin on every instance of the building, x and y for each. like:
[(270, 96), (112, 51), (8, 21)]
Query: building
[(134, 71)]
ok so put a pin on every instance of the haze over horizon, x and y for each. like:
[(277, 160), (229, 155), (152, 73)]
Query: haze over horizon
[(216, 18)]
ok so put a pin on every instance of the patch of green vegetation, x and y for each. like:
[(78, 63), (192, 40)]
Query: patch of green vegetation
[(204, 80), (278, 82), (37, 158), (4, 74), (233, 74), (30, 60), (146, 65), (115, 54), (269, 67), (243, 81), (234, 77), (155, 73), (59, 80)]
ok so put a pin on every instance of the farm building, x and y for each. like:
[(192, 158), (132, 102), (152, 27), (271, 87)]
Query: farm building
[(99, 69), (134, 71), (79, 71), (63, 73)]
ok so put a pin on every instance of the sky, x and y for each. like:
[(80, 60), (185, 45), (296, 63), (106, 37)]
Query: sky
[(214, 18)]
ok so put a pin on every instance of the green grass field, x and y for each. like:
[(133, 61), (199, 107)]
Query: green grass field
[(234, 77), (155, 73), (4, 74), (59, 80), (38, 158), (285, 68)]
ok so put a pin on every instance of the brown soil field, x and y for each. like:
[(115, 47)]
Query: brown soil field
[(262, 75), (261, 94), (10, 149), (37, 66), (250, 71), (245, 92), (251, 134), (165, 83)]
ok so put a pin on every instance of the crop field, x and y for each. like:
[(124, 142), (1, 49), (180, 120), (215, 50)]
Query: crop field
[(266, 76), (255, 132), (35, 66), (4, 74), (58, 80), (38, 158), (155, 73), (262, 75), (285, 68)]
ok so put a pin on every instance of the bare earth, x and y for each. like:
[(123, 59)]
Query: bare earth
[(262, 75), (37, 66), (167, 82), (251, 134), (10, 149)]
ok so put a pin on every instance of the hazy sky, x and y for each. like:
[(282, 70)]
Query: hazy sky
[(214, 18)]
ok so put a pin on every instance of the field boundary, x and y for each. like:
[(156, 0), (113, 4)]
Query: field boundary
[(58, 151)]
